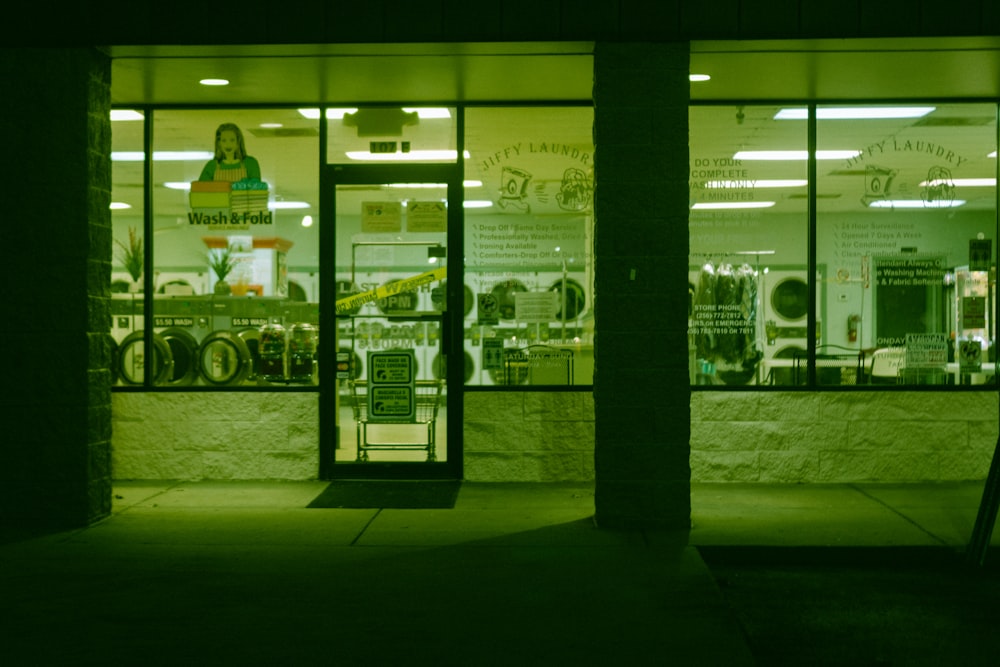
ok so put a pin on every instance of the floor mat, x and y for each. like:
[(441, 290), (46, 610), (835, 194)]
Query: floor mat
[(388, 494)]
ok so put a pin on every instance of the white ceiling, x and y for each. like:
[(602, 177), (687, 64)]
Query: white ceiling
[(754, 70), (856, 69), (353, 73)]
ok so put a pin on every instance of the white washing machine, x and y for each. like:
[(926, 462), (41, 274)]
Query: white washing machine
[(785, 306)]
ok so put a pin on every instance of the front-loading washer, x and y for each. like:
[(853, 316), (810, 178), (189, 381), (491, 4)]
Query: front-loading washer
[(184, 352), (224, 359), (132, 358)]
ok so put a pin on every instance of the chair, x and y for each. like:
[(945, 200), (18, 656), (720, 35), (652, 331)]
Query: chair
[(427, 398), (888, 364)]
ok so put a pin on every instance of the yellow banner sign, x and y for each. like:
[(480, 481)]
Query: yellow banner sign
[(347, 304)]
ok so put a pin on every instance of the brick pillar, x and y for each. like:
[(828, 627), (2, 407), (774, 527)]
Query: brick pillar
[(641, 386), (55, 463)]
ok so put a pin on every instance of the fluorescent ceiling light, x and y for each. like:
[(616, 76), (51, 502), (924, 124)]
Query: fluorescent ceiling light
[(332, 114), (964, 182), (915, 203), (698, 77), (271, 126), (125, 114), (161, 156), (428, 186), (795, 155), (763, 183), (177, 185), (119, 205), (429, 112), (732, 204), (853, 113), (412, 156), (288, 204), (338, 114), (214, 82), (476, 203)]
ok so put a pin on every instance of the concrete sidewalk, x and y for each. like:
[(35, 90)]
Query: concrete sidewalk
[(836, 515), (242, 573)]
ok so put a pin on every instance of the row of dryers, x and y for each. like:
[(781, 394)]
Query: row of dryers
[(214, 341), (372, 326)]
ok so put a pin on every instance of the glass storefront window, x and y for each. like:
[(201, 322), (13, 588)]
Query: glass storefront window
[(129, 245), (747, 272), (235, 250), (529, 185), (906, 226)]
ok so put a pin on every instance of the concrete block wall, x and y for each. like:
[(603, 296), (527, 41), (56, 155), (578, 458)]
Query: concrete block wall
[(529, 436), (641, 386), (793, 437), (54, 115), (221, 436)]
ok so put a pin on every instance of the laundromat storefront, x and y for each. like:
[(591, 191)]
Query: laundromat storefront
[(447, 278)]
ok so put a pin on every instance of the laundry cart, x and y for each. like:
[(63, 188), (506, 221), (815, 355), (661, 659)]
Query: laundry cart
[(414, 431)]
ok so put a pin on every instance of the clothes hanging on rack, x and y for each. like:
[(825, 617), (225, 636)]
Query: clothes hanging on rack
[(725, 313)]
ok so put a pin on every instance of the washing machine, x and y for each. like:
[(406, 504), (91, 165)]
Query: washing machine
[(181, 283), (182, 322), (785, 305), (224, 359), (131, 358)]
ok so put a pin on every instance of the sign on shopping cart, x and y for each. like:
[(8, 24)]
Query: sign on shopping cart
[(391, 385)]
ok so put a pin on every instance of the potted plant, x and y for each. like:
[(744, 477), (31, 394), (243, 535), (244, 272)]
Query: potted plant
[(131, 256), (221, 261)]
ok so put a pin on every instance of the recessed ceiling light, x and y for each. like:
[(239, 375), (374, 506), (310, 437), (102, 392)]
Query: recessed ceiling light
[(288, 204), (272, 125), (698, 77), (177, 185), (214, 82), (119, 205), (307, 221)]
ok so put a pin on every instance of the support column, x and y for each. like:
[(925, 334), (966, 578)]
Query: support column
[(55, 462), (641, 385)]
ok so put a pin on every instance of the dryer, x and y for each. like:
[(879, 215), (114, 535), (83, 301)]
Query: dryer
[(785, 306)]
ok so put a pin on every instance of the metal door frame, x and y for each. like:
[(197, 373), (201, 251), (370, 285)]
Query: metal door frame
[(331, 176)]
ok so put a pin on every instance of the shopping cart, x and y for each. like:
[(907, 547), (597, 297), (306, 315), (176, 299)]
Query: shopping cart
[(427, 399)]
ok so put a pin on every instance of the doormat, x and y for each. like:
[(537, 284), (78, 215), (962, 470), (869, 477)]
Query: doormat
[(388, 494)]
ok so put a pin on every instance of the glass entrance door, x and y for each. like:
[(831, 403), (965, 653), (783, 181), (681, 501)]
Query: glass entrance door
[(391, 227)]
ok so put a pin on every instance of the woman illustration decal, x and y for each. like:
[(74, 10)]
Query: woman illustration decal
[(231, 162)]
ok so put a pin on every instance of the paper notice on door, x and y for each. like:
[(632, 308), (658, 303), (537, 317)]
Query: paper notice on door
[(426, 216), (381, 217)]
